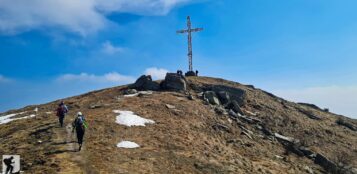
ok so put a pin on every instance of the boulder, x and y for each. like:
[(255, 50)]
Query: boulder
[(175, 82), (190, 73), (144, 83), (234, 105), (223, 97), (211, 97)]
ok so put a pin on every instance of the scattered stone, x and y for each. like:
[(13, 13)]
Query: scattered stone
[(284, 138), (95, 106), (307, 152), (247, 134), (170, 106), (278, 157), (175, 82), (232, 114), (145, 82), (309, 114), (220, 110), (200, 94), (130, 91), (222, 127), (266, 131), (250, 120), (308, 170), (190, 97), (250, 113), (211, 97), (231, 141)]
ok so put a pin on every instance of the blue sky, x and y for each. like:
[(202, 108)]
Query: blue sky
[(301, 50)]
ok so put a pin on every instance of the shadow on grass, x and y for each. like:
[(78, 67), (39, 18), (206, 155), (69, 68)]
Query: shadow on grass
[(62, 143)]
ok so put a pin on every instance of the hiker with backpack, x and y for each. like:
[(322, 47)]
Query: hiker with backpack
[(79, 124), (62, 110), (9, 167)]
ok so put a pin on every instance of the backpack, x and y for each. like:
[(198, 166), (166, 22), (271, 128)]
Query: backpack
[(61, 110), (81, 122)]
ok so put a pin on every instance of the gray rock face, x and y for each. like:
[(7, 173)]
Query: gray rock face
[(325, 163), (145, 82), (234, 105), (175, 82), (223, 97), (236, 94), (346, 123), (211, 97)]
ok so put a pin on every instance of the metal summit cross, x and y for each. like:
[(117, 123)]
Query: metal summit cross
[(189, 30)]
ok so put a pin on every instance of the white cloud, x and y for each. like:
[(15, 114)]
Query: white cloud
[(339, 99), (4, 79), (109, 48), (106, 78), (156, 73), (83, 16)]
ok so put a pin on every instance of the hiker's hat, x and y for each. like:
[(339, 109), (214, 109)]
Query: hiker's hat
[(79, 114)]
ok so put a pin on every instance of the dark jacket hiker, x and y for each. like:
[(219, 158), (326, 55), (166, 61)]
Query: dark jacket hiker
[(9, 167), (79, 124), (62, 110)]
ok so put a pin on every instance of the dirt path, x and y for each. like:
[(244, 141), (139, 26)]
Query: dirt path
[(71, 160)]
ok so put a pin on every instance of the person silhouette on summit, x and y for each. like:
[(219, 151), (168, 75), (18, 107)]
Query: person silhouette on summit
[(79, 124), (62, 110), (8, 162)]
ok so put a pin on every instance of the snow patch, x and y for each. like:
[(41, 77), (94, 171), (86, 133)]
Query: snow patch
[(128, 118), (140, 92), (127, 144), (8, 118), (131, 95)]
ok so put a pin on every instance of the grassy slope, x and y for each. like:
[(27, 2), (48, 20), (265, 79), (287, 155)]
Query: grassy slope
[(180, 141)]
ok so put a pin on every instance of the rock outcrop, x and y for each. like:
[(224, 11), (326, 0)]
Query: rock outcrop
[(211, 97), (174, 82), (144, 83)]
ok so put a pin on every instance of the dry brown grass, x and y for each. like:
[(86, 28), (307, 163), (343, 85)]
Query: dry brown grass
[(180, 141)]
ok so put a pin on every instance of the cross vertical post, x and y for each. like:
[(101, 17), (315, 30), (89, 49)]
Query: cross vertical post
[(189, 30)]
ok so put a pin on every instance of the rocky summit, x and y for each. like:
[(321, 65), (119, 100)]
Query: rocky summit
[(182, 125)]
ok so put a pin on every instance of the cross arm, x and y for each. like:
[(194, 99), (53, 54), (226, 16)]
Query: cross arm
[(181, 31), (196, 29)]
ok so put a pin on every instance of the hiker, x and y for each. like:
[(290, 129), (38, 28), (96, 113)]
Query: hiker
[(79, 124), (62, 110), (9, 167), (196, 73)]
